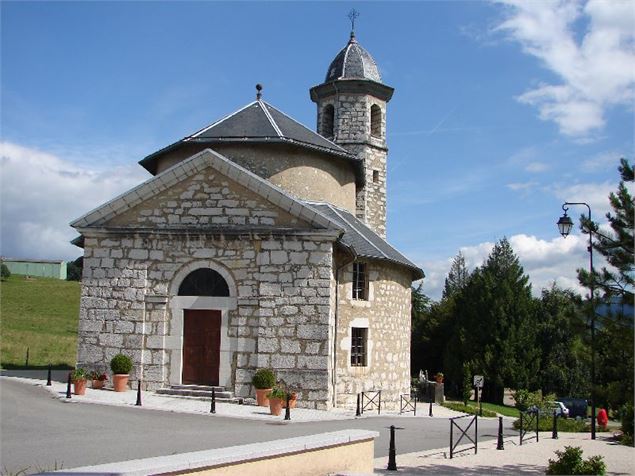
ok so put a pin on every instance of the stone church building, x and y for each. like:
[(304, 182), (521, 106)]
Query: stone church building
[(259, 243)]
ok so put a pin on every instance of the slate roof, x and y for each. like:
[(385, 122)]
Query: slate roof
[(258, 122), (364, 241), (353, 62)]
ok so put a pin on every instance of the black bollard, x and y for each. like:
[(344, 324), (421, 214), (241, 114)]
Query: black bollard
[(212, 408), (138, 393), (554, 431), (26, 364), (68, 386), (48, 377), (430, 409), (287, 411), (500, 445), (415, 411), (521, 428), (358, 412), (392, 452)]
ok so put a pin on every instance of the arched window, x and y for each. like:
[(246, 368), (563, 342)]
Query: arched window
[(328, 120), (375, 121), (204, 282)]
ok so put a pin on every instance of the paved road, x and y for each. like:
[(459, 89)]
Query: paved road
[(40, 432)]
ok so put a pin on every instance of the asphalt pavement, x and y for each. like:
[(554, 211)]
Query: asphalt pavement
[(41, 432)]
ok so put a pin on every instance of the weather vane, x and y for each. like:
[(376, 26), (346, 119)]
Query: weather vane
[(352, 15)]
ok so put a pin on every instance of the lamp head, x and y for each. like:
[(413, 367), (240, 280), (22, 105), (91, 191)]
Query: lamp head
[(564, 225)]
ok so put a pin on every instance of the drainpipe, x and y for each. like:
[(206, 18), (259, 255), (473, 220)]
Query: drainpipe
[(353, 257)]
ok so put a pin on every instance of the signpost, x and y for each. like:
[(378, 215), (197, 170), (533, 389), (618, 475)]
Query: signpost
[(479, 380)]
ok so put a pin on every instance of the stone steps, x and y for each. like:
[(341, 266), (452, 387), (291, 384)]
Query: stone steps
[(200, 391)]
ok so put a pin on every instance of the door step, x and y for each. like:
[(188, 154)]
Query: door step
[(201, 391)]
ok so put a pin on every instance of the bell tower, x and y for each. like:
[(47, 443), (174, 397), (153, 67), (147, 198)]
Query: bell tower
[(351, 111)]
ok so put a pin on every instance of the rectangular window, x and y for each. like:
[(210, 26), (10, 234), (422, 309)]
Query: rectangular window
[(360, 281), (375, 176), (359, 338)]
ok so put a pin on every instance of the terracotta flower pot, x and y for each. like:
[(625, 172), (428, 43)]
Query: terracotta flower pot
[(261, 397), (120, 382), (79, 387), (98, 384), (275, 406)]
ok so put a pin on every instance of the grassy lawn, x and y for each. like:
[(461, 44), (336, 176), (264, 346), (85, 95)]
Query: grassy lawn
[(492, 407), (40, 314)]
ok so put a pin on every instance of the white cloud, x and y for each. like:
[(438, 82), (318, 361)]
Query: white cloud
[(536, 167), (522, 186), (42, 193), (602, 162), (544, 261), (595, 71)]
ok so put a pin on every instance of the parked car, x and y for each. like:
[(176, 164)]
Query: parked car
[(560, 409), (577, 406)]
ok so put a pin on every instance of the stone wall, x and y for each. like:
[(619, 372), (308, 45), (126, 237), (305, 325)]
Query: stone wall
[(281, 319), (386, 314)]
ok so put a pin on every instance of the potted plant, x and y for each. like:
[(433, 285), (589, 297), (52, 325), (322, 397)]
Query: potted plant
[(121, 365), (439, 377), (276, 396), (78, 377), (99, 379), (263, 380)]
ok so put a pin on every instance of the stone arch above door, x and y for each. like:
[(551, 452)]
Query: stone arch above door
[(186, 270)]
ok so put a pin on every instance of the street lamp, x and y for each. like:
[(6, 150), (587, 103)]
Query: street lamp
[(564, 227)]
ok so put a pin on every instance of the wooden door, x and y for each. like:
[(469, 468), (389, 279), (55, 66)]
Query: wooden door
[(201, 346)]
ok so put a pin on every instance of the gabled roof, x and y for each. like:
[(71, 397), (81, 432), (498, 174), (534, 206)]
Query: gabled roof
[(364, 241), (257, 122), (191, 166)]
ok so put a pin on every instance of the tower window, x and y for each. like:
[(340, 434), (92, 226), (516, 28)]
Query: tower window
[(360, 282), (375, 121), (359, 340), (375, 176), (328, 120)]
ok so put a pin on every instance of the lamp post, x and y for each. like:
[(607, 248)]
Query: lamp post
[(564, 227)]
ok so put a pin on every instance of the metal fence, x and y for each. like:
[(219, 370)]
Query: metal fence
[(463, 432), (408, 403), (528, 420)]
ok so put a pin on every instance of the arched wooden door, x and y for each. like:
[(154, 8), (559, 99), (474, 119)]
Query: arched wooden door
[(201, 346)]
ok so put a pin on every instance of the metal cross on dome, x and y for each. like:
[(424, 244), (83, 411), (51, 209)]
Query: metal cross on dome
[(352, 15)]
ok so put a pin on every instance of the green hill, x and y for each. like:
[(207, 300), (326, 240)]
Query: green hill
[(40, 314)]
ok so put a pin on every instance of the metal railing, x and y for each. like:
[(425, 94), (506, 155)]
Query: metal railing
[(408, 403), (371, 400), (463, 431), (527, 420)]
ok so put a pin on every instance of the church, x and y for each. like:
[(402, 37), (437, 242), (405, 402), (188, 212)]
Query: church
[(259, 243)]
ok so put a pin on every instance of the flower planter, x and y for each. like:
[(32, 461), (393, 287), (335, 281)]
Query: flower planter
[(120, 382), (98, 384), (79, 387), (261, 397), (275, 406)]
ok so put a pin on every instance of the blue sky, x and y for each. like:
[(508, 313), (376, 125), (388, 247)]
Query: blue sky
[(501, 111)]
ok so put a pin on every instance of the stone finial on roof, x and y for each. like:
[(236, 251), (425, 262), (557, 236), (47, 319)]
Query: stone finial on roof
[(258, 89)]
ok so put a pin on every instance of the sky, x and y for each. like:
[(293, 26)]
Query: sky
[(502, 111)]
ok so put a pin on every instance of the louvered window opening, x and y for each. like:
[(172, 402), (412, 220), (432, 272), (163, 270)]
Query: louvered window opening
[(360, 282), (358, 346)]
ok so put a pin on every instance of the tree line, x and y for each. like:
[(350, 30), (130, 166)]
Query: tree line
[(488, 323)]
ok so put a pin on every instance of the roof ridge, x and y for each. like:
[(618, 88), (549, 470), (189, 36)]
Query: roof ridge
[(263, 105), (213, 124), (339, 147)]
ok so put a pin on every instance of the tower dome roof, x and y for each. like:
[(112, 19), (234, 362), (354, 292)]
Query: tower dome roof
[(353, 62)]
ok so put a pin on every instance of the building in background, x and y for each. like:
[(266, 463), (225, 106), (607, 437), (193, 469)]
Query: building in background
[(33, 267)]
